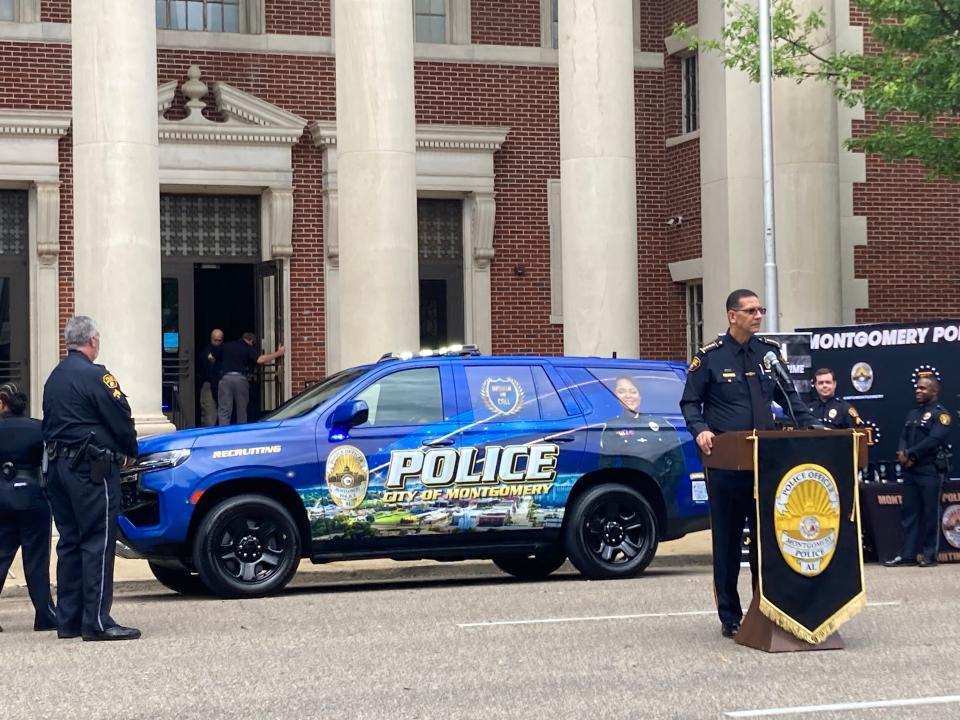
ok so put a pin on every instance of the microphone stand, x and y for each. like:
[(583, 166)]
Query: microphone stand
[(776, 379)]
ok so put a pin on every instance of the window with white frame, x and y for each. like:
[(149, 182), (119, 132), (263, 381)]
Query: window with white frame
[(430, 21), (694, 317), (201, 15), (24, 11), (690, 83)]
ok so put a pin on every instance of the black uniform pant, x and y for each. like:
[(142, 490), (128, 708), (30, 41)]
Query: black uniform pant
[(85, 511), (731, 507), (921, 515), (25, 523)]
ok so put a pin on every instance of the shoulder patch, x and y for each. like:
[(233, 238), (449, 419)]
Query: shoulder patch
[(853, 411), (767, 340), (944, 418), (110, 381), (694, 364)]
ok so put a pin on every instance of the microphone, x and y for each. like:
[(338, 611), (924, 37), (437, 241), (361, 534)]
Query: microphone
[(771, 361)]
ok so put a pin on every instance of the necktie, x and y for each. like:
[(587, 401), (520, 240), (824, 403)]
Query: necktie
[(761, 411)]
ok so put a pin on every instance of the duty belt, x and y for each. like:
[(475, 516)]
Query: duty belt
[(70, 453)]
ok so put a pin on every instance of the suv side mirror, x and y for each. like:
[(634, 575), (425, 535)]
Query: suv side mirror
[(349, 414)]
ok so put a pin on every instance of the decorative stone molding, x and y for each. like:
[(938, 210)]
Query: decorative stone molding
[(34, 123), (483, 216), (248, 119), (429, 137), (277, 221), (48, 222), (331, 241)]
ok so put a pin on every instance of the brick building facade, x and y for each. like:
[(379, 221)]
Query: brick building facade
[(504, 75)]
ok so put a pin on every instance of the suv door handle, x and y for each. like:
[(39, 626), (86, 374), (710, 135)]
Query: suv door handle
[(563, 439), (441, 442)]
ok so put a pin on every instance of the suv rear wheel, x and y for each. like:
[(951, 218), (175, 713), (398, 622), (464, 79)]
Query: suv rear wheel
[(247, 546), (611, 532), (179, 580), (535, 566)]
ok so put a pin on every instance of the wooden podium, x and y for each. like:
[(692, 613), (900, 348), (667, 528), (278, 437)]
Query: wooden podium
[(735, 451)]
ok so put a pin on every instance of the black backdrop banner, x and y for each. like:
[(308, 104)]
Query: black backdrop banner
[(811, 562), (876, 368)]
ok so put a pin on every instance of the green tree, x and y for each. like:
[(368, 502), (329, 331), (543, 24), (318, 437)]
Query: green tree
[(909, 77)]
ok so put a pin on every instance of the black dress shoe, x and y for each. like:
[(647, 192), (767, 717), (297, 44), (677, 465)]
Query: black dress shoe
[(68, 634), (117, 632), (899, 562), (729, 630), (927, 563)]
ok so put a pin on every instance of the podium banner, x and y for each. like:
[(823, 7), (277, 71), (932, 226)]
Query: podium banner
[(808, 528)]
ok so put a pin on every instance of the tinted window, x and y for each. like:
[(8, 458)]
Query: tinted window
[(551, 406), (647, 391), (313, 398), (503, 393), (406, 397)]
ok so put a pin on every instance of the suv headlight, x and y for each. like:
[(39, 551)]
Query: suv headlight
[(160, 460)]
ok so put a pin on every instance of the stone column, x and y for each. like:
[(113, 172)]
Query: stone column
[(807, 195), (377, 181), (117, 194), (598, 178)]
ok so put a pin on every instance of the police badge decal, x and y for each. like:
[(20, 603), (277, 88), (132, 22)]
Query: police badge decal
[(807, 518), (502, 396), (347, 476)]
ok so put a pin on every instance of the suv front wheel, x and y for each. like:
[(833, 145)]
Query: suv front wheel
[(611, 532), (247, 546)]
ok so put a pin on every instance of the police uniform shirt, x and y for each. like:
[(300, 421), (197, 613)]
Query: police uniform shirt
[(21, 441), (717, 395), (81, 397), (209, 371), (238, 357), (926, 429), (835, 413)]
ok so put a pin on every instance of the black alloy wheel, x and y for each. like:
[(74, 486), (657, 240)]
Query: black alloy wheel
[(611, 532), (180, 580), (534, 566), (247, 546)]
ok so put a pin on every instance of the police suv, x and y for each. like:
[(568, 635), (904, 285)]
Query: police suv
[(453, 455)]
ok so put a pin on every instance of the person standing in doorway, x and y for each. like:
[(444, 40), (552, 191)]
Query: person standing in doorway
[(209, 376), (239, 359)]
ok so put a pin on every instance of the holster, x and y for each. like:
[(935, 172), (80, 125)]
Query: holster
[(99, 463)]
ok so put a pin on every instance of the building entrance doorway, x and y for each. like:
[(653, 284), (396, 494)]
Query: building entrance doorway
[(14, 292), (440, 243), (220, 284)]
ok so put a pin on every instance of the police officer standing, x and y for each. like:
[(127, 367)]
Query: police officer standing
[(922, 453), (831, 411), (24, 512), (90, 434), (729, 388)]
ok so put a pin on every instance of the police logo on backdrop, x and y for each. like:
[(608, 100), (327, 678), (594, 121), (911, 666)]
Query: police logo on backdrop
[(950, 525), (861, 375), (502, 396), (807, 518), (347, 476)]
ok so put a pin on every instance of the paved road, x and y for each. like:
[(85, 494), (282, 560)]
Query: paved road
[(429, 646)]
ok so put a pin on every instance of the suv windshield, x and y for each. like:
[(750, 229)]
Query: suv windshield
[(313, 398)]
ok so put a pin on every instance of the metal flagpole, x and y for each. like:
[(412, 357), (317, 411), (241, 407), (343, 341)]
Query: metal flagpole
[(771, 292)]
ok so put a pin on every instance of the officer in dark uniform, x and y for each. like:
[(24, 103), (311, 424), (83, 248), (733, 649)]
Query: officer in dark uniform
[(829, 410), (89, 434), (922, 453), (729, 388), (24, 512)]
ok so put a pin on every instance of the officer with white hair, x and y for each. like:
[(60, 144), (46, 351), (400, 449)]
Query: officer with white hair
[(89, 433)]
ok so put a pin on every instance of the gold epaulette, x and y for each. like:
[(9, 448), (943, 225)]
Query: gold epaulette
[(768, 341)]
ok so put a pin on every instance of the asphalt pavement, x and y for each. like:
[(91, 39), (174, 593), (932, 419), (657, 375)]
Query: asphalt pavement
[(461, 640)]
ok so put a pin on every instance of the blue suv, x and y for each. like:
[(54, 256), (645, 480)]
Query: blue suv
[(523, 460)]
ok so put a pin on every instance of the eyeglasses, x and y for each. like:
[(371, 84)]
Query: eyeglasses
[(753, 311)]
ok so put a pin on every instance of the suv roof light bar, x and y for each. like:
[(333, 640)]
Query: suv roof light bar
[(448, 351)]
